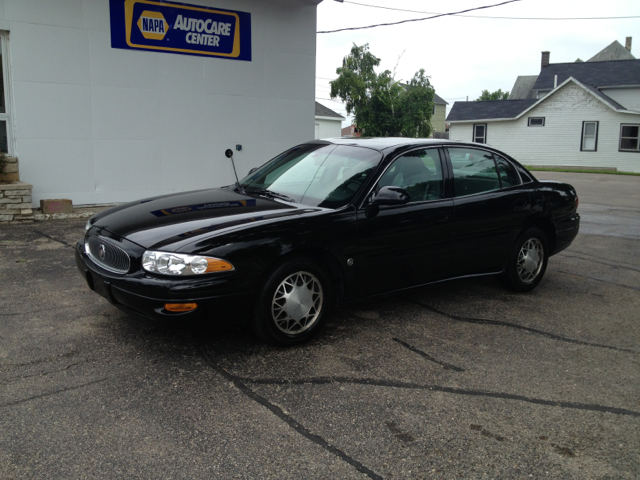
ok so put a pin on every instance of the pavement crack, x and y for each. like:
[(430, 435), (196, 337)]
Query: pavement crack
[(36, 397), (240, 384), (53, 358), (39, 232), (482, 321), (439, 388), (447, 366), (43, 374)]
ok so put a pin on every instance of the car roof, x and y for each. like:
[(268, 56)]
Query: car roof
[(382, 143)]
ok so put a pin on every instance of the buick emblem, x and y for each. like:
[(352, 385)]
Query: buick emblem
[(102, 251)]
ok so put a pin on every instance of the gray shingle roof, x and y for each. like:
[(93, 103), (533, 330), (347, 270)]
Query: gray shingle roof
[(615, 51), (488, 109), (596, 74), (522, 89), (322, 111), (439, 100)]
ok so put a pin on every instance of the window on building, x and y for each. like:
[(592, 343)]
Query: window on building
[(589, 137), (5, 140), (629, 138), (536, 122), (480, 133)]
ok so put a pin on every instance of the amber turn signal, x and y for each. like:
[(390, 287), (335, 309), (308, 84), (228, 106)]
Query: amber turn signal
[(217, 265), (180, 307)]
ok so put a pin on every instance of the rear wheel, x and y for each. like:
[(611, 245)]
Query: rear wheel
[(528, 261), (293, 304)]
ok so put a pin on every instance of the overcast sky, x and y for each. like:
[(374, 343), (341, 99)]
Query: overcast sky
[(464, 55)]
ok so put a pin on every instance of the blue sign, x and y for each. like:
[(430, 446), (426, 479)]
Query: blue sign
[(180, 28)]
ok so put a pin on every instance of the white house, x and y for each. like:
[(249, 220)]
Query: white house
[(584, 114), (114, 100), (328, 122)]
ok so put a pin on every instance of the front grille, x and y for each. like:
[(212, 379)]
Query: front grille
[(107, 255)]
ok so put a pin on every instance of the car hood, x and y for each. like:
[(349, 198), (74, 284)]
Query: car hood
[(180, 219)]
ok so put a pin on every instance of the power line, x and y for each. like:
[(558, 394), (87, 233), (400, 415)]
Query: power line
[(487, 16), (420, 19)]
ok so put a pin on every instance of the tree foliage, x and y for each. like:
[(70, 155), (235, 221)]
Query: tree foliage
[(497, 95), (382, 106)]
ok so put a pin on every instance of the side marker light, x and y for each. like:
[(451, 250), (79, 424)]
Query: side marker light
[(180, 307)]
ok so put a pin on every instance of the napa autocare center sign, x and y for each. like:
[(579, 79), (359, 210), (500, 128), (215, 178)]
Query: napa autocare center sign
[(180, 28)]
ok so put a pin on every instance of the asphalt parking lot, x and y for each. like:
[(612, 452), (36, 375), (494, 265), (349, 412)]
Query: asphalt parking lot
[(463, 380)]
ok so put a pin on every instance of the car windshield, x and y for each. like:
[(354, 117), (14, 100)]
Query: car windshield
[(325, 176)]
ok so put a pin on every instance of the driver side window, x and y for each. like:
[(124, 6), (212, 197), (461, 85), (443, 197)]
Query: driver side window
[(418, 172)]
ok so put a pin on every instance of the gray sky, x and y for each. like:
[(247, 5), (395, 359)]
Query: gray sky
[(464, 55)]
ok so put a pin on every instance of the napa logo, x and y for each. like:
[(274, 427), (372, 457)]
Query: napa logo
[(153, 25)]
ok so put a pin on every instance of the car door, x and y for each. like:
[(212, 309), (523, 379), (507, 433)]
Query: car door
[(404, 245), (491, 206)]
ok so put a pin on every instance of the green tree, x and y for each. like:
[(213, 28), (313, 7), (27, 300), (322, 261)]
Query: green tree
[(382, 106), (497, 95)]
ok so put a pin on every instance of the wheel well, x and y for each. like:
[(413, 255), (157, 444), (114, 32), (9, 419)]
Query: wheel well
[(548, 228), (325, 262)]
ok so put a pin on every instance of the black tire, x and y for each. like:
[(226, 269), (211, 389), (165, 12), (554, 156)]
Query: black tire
[(277, 323), (528, 261)]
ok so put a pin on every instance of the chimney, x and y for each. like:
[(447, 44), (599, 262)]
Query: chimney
[(627, 44), (545, 59)]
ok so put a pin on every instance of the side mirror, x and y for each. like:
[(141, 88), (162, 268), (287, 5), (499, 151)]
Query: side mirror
[(390, 196)]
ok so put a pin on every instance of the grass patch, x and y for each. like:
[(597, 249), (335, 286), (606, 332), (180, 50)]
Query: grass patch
[(571, 170)]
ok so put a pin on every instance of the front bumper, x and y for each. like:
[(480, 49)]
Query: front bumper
[(219, 299)]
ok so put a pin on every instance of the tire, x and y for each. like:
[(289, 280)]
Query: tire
[(293, 304), (528, 261)]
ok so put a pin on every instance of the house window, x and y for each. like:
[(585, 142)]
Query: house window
[(629, 138), (536, 122), (589, 137), (5, 139), (480, 133)]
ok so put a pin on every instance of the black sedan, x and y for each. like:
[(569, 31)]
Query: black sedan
[(325, 223)]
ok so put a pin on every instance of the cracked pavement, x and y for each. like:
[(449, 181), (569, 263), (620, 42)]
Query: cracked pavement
[(462, 380)]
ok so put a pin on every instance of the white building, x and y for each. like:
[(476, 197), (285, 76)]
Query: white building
[(328, 122), (101, 107), (584, 114)]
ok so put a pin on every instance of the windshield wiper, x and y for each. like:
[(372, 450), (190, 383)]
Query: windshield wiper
[(265, 192)]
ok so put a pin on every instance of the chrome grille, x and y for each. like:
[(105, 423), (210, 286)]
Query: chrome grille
[(107, 255)]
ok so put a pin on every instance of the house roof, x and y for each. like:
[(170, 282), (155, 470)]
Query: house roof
[(597, 74), (488, 110), (322, 111), (523, 88), (439, 100), (513, 109), (615, 51)]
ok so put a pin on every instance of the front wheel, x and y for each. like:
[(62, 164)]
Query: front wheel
[(528, 261), (293, 304)]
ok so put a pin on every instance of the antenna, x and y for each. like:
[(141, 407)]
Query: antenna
[(229, 154)]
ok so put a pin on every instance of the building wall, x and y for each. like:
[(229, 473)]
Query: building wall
[(558, 142), (438, 118), (328, 128), (102, 125), (629, 98)]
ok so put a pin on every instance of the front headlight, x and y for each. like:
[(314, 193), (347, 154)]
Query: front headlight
[(167, 263)]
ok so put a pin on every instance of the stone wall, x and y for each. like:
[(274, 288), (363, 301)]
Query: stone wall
[(15, 202), (10, 171)]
